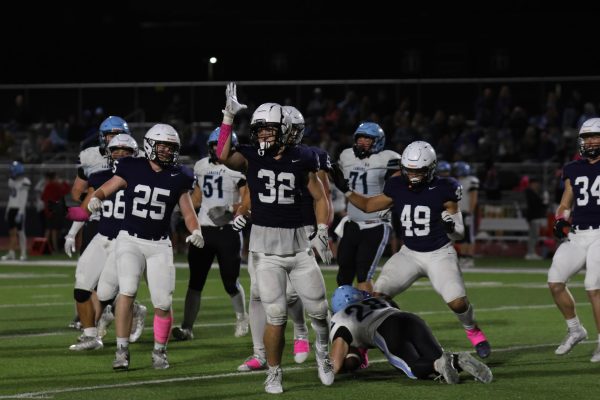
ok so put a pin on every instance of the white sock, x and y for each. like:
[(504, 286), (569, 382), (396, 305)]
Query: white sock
[(573, 323), (258, 319), (122, 342), (467, 318), (296, 314), (90, 331)]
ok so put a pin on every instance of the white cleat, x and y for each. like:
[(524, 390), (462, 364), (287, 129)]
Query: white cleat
[(273, 382), (121, 361), (444, 367), (573, 337), (105, 320), (241, 326), (9, 256), (87, 343), (139, 320), (474, 367), (159, 359), (325, 368), (596, 355)]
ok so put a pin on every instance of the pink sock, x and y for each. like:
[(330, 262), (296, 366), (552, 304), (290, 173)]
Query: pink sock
[(223, 135), (162, 328)]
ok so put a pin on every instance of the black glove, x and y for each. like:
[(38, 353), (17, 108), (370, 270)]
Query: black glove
[(448, 222), (337, 176), (562, 227)]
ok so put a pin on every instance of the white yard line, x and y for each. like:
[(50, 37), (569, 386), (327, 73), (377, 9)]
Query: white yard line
[(49, 393)]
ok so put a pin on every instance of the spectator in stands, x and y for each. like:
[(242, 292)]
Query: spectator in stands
[(52, 194), (536, 215), (6, 141), (20, 115)]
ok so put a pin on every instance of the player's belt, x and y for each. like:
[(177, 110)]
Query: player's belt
[(147, 237)]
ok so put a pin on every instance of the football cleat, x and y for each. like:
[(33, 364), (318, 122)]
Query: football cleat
[(479, 341), (182, 333), (325, 368), (9, 256), (87, 343), (596, 355), (121, 361), (301, 350), (139, 319), (474, 367), (573, 337), (253, 363), (273, 381), (444, 367), (241, 326), (105, 320), (159, 359)]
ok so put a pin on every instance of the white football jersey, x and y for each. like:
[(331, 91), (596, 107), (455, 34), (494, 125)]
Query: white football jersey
[(468, 183), (365, 177), (18, 190), (219, 186), (362, 320), (91, 160)]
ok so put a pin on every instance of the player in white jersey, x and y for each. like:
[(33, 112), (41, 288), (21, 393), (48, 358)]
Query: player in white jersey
[(362, 321), (18, 191), (91, 160), (364, 236), (96, 268), (468, 206), (427, 206), (217, 193), (578, 221), (276, 173)]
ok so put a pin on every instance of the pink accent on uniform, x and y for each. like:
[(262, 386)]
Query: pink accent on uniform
[(301, 346), (254, 364), (475, 335), (223, 135), (162, 327), (77, 214), (365, 358)]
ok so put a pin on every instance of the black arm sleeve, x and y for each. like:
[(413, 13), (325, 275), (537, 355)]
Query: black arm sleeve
[(80, 174), (344, 333)]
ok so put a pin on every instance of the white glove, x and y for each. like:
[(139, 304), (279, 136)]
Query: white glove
[(321, 244), (447, 221), (196, 238), (69, 245), (94, 205), (232, 106), (385, 214), (239, 223)]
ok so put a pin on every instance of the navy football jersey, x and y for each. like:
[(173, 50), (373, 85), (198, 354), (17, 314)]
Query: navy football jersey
[(276, 185), (113, 207), (420, 211), (308, 209), (585, 180), (150, 196)]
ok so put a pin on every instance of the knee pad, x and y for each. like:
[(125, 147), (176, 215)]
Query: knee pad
[(81, 296), (106, 303), (162, 301), (276, 315), (317, 309)]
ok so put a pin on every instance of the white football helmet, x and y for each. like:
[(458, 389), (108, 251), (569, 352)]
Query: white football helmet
[(590, 127), (296, 124), (123, 141), (419, 162), (162, 134), (268, 115)]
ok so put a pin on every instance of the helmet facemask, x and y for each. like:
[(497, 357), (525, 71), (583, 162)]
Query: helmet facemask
[(589, 145), (155, 155), (362, 150), (267, 137)]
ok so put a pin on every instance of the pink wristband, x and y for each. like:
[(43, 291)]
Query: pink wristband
[(77, 214), (223, 135)]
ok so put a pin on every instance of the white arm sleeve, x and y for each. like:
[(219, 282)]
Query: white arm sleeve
[(459, 227), (75, 228)]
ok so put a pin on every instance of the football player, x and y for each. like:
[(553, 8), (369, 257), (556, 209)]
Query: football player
[(428, 209), (152, 187), (217, 193), (18, 191), (364, 235), (360, 320), (279, 246), (97, 263), (579, 204), (468, 207)]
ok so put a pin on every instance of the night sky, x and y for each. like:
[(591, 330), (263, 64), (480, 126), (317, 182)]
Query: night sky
[(145, 41)]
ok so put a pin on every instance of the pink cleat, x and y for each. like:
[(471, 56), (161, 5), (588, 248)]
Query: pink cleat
[(365, 358), (253, 363), (301, 350), (479, 341)]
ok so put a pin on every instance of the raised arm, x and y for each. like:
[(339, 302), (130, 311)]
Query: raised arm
[(232, 160)]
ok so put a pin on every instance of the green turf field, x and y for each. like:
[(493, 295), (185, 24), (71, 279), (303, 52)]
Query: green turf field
[(514, 309)]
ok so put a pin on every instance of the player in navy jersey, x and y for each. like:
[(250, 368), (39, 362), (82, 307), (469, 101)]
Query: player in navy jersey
[(364, 235), (152, 187), (427, 206), (217, 193), (98, 258), (581, 248), (360, 320), (279, 246)]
